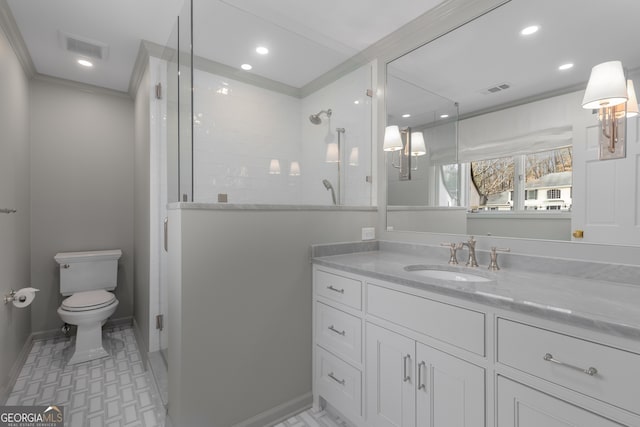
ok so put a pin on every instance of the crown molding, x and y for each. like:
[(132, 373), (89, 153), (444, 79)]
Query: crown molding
[(11, 30), (80, 86)]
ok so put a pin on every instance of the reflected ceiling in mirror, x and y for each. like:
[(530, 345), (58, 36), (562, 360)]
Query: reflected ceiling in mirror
[(488, 67)]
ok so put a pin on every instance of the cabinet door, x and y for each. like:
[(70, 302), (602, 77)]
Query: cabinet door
[(450, 391), (390, 375), (521, 406)]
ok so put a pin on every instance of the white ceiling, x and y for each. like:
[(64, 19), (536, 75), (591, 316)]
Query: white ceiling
[(306, 38)]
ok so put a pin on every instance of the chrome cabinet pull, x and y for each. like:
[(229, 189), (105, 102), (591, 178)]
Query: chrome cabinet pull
[(591, 371), (331, 328), (422, 385), (333, 377), (331, 288), (405, 370)]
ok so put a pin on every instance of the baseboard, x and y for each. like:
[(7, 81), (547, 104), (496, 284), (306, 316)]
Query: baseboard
[(280, 413), (5, 391)]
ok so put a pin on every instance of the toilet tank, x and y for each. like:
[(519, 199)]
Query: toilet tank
[(88, 271)]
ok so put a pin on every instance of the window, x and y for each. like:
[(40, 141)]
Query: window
[(554, 193), (494, 186)]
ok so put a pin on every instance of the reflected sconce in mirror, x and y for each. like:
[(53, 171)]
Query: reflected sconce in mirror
[(614, 97), (411, 145), (274, 167), (418, 147)]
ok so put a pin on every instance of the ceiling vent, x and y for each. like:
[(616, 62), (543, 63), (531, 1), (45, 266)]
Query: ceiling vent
[(84, 46), (496, 88)]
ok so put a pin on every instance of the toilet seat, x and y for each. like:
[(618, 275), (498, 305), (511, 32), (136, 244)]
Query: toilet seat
[(88, 300)]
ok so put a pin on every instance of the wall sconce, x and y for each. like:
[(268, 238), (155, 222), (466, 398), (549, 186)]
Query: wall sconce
[(609, 92)]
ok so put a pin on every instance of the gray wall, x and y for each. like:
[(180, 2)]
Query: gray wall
[(142, 211), (245, 318), (82, 149), (15, 324)]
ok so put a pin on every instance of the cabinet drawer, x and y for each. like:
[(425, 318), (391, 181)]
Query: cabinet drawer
[(339, 383), (339, 332), (617, 380), (448, 323), (339, 288)]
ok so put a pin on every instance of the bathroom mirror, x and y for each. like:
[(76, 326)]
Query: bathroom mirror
[(518, 101)]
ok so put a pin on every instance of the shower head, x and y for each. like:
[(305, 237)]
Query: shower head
[(328, 186), (315, 118)]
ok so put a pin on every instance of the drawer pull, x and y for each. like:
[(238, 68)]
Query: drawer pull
[(331, 288), (421, 385), (332, 329), (404, 368), (591, 371), (333, 377)]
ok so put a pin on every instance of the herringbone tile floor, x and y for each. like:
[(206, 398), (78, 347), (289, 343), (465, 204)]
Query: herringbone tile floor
[(112, 391)]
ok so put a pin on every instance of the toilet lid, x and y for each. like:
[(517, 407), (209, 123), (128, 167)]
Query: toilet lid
[(88, 300)]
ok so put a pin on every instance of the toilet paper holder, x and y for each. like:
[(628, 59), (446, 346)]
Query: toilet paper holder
[(11, 296)]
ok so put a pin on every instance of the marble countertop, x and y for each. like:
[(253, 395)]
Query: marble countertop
[(609, 307)]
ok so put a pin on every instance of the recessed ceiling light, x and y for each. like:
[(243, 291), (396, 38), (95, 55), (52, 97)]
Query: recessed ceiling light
[(444, 116), (405, 116), (262, 50), (356, 102), (565, 66), (530, 30), (85, 63), (246, 67)]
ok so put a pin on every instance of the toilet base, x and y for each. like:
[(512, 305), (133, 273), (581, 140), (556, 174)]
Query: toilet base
[(88, 344)]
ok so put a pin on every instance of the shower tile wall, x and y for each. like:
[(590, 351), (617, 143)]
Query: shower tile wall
[(240, 128)]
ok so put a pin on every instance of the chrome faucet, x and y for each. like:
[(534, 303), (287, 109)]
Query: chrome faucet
[(471, 244)]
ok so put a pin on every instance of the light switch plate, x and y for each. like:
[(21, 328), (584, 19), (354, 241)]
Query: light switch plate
[(368, 233)]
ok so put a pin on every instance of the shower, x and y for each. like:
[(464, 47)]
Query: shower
[(328, 186), (315, 118)]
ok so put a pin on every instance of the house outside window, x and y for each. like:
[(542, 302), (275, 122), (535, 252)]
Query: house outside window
[(522, 182)]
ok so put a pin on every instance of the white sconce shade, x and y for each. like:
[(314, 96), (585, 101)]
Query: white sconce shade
[(392, 139), (333, 154), (607, 86), (274, 167), (294, 169), (418, 147), (632, 103), (353, 157)]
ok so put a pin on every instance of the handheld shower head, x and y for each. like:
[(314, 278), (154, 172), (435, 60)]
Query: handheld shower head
[(328, 186), (315, 118)]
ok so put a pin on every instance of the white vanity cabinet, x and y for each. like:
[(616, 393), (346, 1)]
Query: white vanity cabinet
[(393, 355), (338, 341), (411, 384)]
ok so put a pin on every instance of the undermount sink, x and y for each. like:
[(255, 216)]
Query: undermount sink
[(446, 273)]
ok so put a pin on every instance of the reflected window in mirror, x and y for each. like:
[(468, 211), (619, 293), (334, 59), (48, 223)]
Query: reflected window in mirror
[(540, 181)]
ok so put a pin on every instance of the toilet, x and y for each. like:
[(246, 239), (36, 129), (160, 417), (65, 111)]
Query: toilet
[(86, 279)]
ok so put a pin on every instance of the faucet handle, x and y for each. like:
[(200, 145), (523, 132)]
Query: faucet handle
[(493, 265), (453, 247)]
